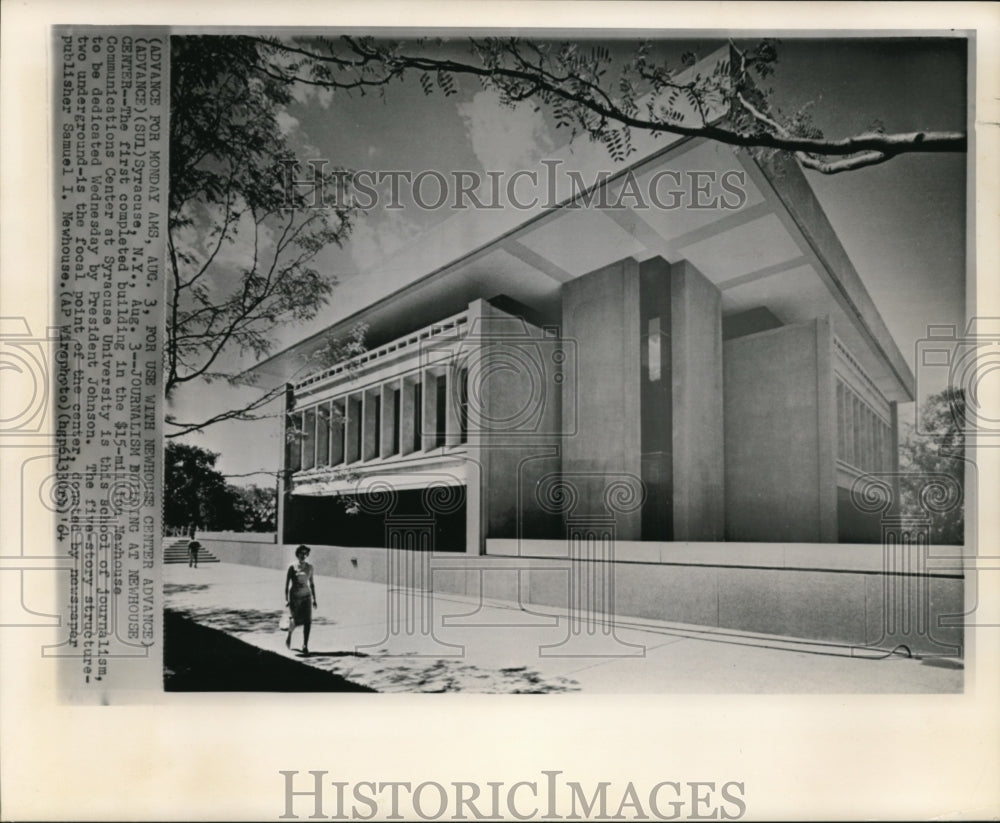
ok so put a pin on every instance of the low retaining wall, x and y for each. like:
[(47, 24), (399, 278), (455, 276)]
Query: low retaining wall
[(850, 594), (243, 537)]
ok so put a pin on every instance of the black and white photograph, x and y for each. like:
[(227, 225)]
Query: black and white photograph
[(531, 365), (644, 364)]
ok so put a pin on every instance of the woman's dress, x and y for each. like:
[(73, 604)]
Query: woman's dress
[(300, 595)]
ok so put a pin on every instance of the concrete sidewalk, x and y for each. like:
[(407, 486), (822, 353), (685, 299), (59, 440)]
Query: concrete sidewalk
[(460, 644)]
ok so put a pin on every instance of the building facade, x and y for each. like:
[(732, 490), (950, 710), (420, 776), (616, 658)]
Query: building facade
[(685, 413), (736, 428)]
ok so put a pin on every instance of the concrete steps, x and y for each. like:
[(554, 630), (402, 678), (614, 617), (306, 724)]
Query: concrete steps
[(175, 550)]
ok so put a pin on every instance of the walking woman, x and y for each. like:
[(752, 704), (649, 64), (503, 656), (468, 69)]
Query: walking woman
[(300, 597)]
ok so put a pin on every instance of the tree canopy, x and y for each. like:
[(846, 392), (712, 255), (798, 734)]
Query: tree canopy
[(197, 494), (933, 463), (241, 244)]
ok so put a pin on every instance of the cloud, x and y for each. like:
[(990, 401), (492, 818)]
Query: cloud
[(379, 236), (304, 94), (233, 256), (291, 129), (505, 138), (287, 123)]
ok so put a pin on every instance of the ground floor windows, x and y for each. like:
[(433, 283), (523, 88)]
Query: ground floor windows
[(412, 521)]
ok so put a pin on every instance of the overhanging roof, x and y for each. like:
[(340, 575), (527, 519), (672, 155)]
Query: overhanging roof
[(777, 250)]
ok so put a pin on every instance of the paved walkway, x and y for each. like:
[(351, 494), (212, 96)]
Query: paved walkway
[(495, 647)]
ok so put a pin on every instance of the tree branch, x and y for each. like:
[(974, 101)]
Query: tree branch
[(526, 78)]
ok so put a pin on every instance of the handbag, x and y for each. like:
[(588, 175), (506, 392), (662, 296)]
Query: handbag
[(285, 621)]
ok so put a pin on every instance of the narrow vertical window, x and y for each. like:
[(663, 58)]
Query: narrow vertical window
[(378, 426), (357, 432), (841, 445), (653, 349), (418, 416), (858, 434), (440, 424), (463, 406), (395, 420), (352, 440)]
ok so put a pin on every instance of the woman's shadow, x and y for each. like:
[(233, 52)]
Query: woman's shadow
[(338, 653)]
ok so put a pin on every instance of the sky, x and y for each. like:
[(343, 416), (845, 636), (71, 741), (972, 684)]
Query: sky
[(902, 223)]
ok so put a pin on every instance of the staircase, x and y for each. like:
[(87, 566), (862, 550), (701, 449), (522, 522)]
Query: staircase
[(175, 550)]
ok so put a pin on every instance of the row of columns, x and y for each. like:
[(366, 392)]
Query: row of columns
[(418, 412)]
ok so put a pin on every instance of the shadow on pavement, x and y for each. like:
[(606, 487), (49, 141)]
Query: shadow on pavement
[(201, 659), (338, 653), (244, 620), (177, 588)]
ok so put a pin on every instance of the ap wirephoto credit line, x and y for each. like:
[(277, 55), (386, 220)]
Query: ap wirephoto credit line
[(111, 185)]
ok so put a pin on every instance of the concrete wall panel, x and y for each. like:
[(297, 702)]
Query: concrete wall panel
[(847, 607), (515, 400), (601, 319), (697, 403), (908, 610), (780, 475), (683, 594), (548, 587)]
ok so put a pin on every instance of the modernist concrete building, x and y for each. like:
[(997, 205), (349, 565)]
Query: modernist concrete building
[(727, 365), (684, 394)]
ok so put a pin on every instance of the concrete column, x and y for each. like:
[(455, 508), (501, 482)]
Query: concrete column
[(826, 425), (369, 412), (407, 415), (429, 424), (281, 513), (601, 320), (478, 453), (779, 436), (388, 418), (352, 407), (894, 454), (475, 507), (337, 425), (453, 434), (698, 481)]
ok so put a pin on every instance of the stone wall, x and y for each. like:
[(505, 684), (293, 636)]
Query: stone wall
[(834, 593)]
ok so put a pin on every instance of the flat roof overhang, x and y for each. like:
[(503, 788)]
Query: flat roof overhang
[(777, 250)]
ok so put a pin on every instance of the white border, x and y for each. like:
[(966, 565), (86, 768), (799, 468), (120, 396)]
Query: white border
[(217, 757)]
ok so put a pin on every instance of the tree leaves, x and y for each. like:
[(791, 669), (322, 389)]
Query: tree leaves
[(246, 217)]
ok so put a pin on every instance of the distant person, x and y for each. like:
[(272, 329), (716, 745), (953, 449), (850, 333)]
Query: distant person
[(300, 596), (193, 547)]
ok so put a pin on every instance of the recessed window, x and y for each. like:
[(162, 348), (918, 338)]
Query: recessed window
[(463, 405), (395, 421), (653, 350), (418, 416), (377, 426), (440, 423)]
